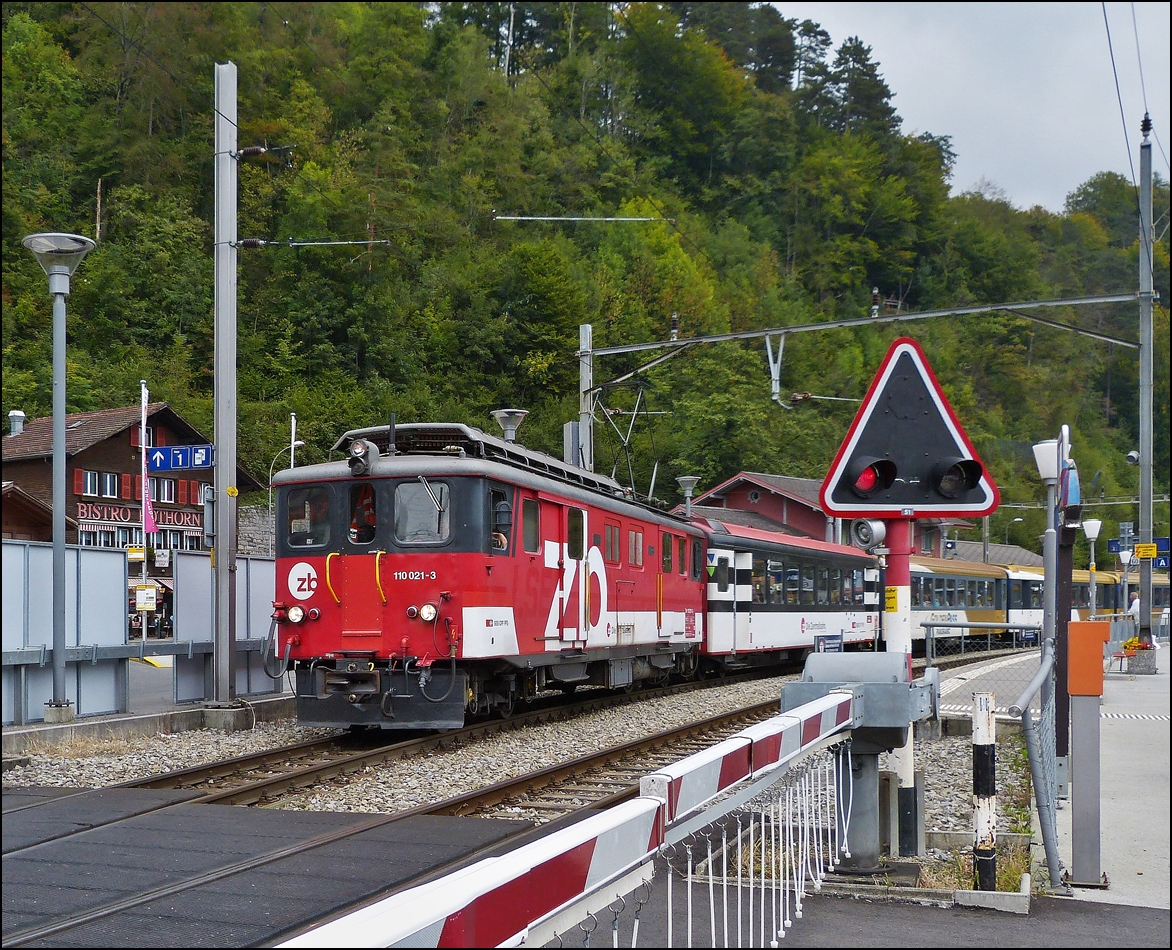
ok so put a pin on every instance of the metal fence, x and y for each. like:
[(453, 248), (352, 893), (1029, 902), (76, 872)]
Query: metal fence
[(98, 645), (1040, 743)]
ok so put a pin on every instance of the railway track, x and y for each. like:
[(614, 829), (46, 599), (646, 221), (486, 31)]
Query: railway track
[(264, 777), (596, 780), (599, 780)]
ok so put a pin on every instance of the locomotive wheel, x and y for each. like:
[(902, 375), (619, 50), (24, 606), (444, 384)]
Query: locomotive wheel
[(567, 688)]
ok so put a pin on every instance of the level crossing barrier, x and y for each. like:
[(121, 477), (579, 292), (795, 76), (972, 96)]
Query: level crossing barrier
[(782, 784)]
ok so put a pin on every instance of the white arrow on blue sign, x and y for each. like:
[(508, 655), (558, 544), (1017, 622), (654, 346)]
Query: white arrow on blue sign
[(179, 457)]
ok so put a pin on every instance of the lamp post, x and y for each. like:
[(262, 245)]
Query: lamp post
[(1125, 560), (295, 444), (1091, 528), (59, 256), (1047, 457), (1013, 522)]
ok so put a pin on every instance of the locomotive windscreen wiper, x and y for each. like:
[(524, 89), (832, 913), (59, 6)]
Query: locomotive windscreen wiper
[(435, 501)]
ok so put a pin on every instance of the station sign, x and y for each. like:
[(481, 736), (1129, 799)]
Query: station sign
[(1113, 546), (1160, 562), (176, 458), (135, 553)]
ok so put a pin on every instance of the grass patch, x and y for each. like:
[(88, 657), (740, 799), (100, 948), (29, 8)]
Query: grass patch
[(955, 873)]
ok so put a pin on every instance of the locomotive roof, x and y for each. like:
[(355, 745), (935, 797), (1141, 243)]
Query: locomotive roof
[(452, 458), (447, 438)]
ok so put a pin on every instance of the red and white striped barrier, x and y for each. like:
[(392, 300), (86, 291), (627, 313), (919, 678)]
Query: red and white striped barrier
[(494, 901), (498, 901), (690, 783), (779, 739)]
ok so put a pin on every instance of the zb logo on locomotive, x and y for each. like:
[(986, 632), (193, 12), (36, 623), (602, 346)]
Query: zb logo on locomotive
[(302, 580)]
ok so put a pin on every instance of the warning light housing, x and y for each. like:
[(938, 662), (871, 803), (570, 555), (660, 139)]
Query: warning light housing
[(867, 476)]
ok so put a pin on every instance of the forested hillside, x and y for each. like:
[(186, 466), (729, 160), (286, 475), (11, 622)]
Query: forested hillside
[(779, 161)]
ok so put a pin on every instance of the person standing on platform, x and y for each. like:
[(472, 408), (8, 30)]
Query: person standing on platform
[(1133, 612)]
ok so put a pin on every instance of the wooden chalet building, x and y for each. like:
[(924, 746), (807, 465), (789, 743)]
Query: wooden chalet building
[(103, 483)]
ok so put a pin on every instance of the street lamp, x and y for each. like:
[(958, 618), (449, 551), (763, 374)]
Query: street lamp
[(59, 255), (295, 444), (1125, 560), (1013, 522), (1091, 528)]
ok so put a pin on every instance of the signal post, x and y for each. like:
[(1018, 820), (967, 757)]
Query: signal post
[(905, 457)]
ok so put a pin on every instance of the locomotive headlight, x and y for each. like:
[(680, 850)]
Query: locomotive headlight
[(296, 613), (428, 612)]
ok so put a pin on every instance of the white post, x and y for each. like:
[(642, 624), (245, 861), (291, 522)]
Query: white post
[(292, 440), (984, 792)]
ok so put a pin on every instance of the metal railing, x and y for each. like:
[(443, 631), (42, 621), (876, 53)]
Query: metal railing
[(1040, 739), (932, 645)]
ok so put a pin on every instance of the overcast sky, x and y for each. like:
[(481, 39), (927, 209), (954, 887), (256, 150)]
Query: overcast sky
[(1025, 90)]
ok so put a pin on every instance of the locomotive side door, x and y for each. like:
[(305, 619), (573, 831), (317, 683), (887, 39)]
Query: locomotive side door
[(357, 585), (565, 553)]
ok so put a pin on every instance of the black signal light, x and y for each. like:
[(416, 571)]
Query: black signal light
[(868, 476), (953, 477)]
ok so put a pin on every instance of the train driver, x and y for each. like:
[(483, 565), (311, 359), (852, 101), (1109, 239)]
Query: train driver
[(362, 514)]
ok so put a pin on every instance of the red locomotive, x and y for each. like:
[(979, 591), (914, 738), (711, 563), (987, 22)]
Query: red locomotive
[(441, 571)]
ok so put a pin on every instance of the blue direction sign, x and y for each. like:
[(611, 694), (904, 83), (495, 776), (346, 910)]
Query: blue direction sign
[(1162, 545), (179, 457), (1160, 562), (1113, 546)]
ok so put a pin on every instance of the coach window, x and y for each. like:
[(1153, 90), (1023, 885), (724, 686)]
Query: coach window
[(917, 598), (758, 579), (722, 574), (531, 525), (309, 517), (665, 541), (823, 585), (836, 586), (776, 572), (423, 512), (807, 591), (697, 559), (860, 587), (575, 534)]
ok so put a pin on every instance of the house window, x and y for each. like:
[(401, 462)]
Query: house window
[(88, 539), (163, 489), (109, 483), (89, 483), (123, 537), (106, 539)]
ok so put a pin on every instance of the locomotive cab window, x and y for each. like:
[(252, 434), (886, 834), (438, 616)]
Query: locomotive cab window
[(309, 517), (363, 520), (422, 512), (531, 525), (683, 555)]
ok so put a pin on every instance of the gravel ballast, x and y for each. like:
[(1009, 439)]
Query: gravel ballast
[(430, 777)]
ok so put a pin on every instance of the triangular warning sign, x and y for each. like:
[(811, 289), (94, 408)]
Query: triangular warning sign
[(906, 455)]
